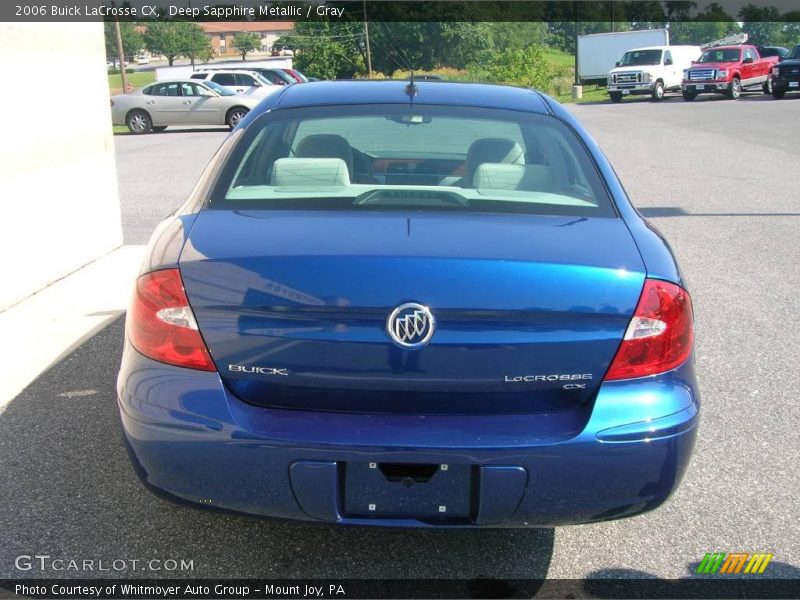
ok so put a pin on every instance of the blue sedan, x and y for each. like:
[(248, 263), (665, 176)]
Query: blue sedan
[(408, 304)]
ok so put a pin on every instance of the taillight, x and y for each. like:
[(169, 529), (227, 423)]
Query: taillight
[(161, 325), (660, 334)]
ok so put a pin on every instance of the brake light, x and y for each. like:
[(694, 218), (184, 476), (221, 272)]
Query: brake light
[(161, 324), (660, 334)]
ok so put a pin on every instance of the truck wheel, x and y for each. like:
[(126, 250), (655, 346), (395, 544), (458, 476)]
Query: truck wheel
[(735, 90), (767, 87), (658, 91), (616, 97), (689, 96), (778, 93)]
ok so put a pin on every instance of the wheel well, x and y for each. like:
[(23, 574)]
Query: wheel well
[(233, 108), (660, 80), (141, 110)]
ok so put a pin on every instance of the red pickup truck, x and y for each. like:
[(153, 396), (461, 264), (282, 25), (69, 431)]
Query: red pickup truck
[(728, 70)]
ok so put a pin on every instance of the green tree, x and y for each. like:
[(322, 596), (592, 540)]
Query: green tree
[(517, 35), (422, 46), (326, 50), (132, 41), (246, 43), (761, 25), (172, 39), (525, 67), (791, 28)]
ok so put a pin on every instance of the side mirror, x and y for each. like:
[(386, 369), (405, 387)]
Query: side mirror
[(780, 59), (668, 62), (694, 62), (747, 60), (616, 64)]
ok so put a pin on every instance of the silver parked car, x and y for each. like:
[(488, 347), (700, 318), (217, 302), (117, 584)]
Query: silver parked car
[(180, 102)]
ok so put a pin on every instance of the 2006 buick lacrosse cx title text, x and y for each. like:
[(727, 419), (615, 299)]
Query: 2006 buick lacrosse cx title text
[(410, 304)]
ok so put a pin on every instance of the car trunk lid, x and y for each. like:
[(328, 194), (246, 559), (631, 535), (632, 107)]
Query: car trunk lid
[(293, 306)]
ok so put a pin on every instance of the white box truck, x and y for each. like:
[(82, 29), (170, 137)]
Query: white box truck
[(599, 52), (651, 71)]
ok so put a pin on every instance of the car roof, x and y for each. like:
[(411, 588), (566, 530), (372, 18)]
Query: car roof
[(675, 47), (182, 80), (321, 93), (212, 71)]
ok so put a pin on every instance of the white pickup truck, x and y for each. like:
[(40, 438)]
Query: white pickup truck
[(652, 71)]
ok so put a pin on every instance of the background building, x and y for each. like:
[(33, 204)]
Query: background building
[(221, 33)]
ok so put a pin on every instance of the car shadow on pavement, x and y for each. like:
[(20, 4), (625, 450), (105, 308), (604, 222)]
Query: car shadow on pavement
[(174, 130), (69, 491), (676, 98)]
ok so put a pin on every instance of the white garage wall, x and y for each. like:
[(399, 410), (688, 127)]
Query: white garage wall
[(59, 205)]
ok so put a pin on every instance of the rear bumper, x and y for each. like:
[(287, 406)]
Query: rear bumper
[(622, 456)]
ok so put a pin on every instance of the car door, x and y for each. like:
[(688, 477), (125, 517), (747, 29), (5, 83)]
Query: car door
[(165, 105), (226, 80), (201, 105), (246, 83), (672, 78), (749, 67), (273, 77)]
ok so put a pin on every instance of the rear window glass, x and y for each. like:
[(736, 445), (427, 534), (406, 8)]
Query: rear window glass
[(726, 55), (390, 157)]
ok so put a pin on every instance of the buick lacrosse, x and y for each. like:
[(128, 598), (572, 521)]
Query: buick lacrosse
[(411, 304)]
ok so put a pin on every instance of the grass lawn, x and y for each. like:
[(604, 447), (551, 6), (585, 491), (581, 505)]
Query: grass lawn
[(137, 80), (558, 58), (590, 94)]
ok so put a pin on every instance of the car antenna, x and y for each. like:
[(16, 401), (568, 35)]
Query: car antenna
[(411, 89)]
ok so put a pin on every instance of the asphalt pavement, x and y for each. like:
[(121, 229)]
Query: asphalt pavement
[(717, 177)]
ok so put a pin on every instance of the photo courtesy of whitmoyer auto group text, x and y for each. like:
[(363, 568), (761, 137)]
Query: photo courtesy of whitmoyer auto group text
[(351, 299)]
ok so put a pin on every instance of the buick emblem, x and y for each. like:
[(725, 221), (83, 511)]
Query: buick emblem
[(411, 325)]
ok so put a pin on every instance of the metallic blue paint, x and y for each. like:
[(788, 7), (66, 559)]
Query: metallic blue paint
[(310, 292), (616, 450), (621, 454)]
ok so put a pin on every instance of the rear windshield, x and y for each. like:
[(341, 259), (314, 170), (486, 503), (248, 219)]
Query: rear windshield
[(727, 55), (412, 158)]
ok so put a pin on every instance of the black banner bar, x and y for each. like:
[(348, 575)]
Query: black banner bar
[(245, 589), (642, 11)]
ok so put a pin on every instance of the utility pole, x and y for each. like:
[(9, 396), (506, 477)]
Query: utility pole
[(121, 55), (366, 40), (577, 88)]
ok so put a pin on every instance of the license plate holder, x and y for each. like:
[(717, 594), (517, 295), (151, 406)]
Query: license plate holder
[(794, 84), (699, 86), (374, 489)]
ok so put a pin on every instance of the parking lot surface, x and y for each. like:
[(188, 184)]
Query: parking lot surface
[(717, 177)]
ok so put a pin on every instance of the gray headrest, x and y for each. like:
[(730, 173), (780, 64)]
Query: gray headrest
[(325, 145), (309, 172), (530, 178), (491, 150)]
